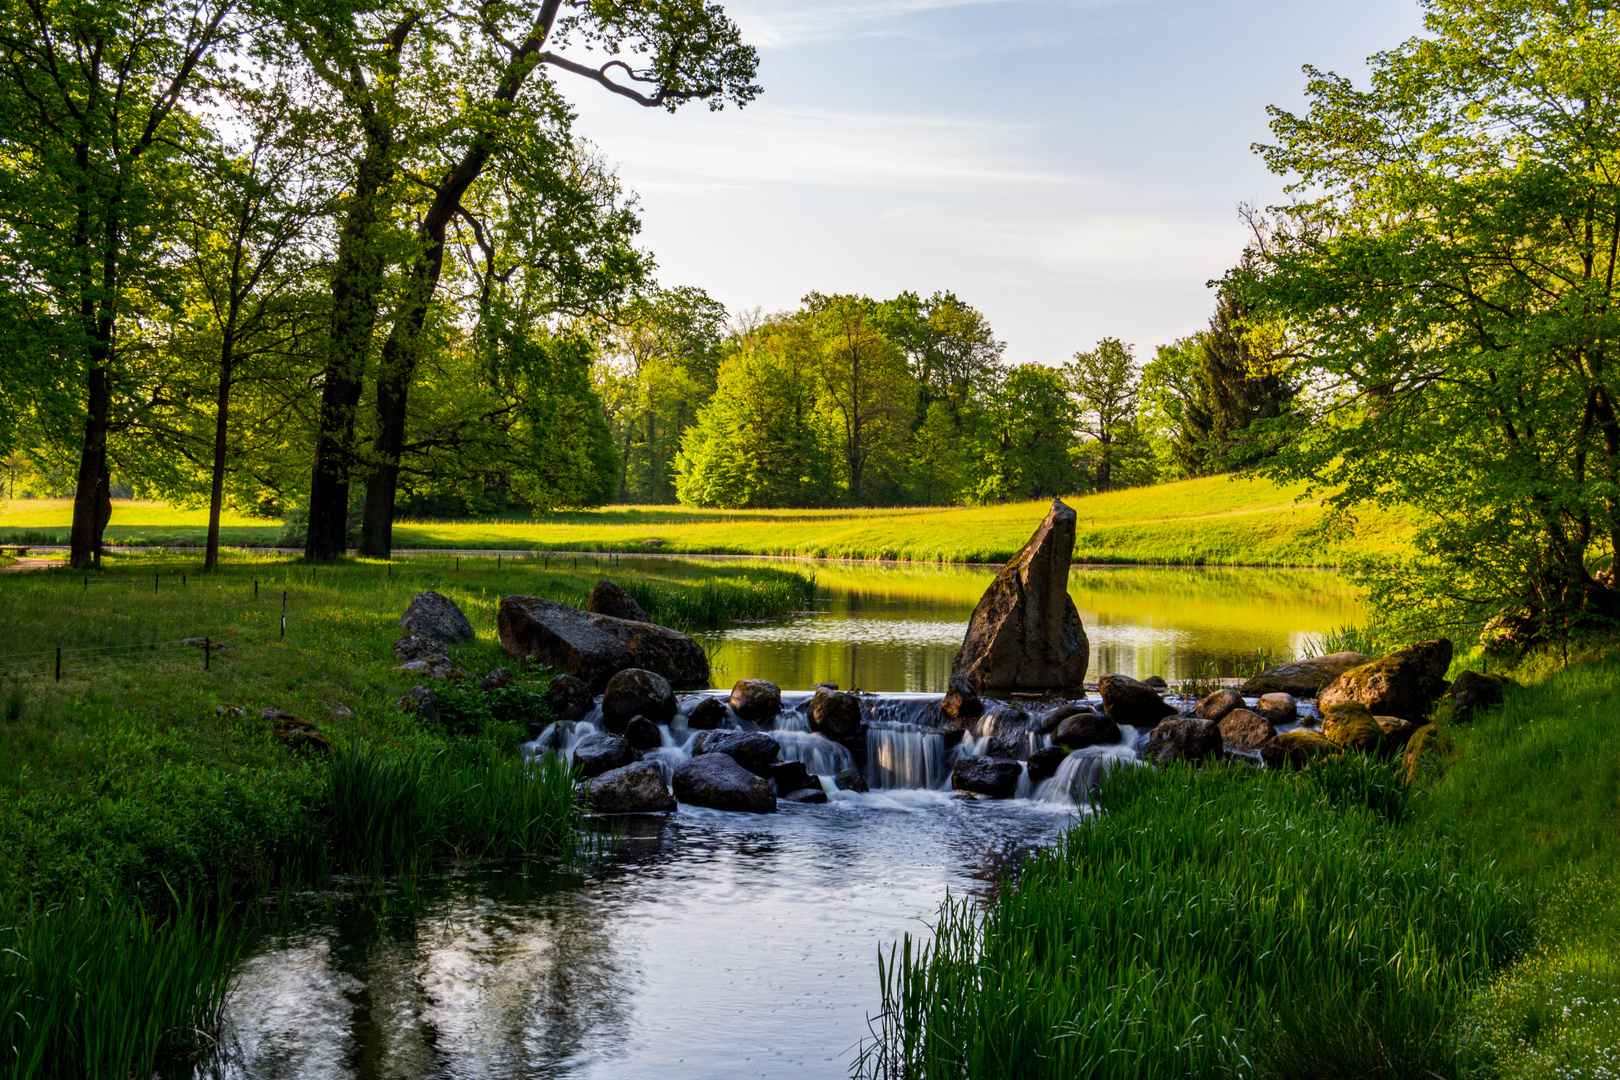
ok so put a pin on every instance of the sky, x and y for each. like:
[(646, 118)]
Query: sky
[(1071, 168)]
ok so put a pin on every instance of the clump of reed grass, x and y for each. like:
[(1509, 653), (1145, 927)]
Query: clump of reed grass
[(1227, 921), (93, 989), (713, 601), (397, 810), (1361, 639)]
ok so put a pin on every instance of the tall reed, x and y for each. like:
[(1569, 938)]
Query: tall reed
[(1218, 922), (102, 989)]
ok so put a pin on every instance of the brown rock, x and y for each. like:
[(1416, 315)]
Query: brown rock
[(642, 734), (1182, 738), (1296, 749), (1250, 730), (1303, 678), (960, 702), (835, 714), (497, 679), (756, 699), (1216, 705), (1350, 726), (1127, 701), (1044, 763), (1397, 733), (1086, 729), (1406, 683), (597, 647), (1278, 708), (1025, 633), (609, 599), (1474, 692)]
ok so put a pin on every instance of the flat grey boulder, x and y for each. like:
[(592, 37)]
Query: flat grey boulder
[(636, 692), (718, 782), (594, 648), (753, 750), (435, 616), (637, 788), (610, 599), (1303, 678), (1025, 633), (600, 753), (986, 776)]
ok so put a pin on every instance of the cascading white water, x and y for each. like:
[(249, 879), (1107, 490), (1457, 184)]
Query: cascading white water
[(821, 756), (905, 756), (1080, 772)]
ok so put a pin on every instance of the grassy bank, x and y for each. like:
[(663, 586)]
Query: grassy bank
[(1218, 922), (1210, 521), (144, 792)]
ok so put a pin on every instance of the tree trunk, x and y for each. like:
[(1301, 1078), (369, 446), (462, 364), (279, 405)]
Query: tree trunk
[(221, 419), (84, 541), (393, 389)]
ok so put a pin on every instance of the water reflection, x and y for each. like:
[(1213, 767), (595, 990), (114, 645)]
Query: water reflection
[(721, 946), (897, 628)]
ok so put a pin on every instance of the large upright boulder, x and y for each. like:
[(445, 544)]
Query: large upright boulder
[(1406, 683), (434, 616), (1026, 634), (594, 648)]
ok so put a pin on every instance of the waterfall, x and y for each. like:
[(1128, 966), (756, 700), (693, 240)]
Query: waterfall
[(905, 756), (821, 756), (1080, 773)]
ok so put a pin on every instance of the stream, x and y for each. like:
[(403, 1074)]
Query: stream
[(712, 944)]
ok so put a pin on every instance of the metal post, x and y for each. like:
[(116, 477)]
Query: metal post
[(154, 583), (284, 614), (87, 583), (182, 579), (497, 562), (390, 569), (458, 564), (59, 663), (207, 648), (255, 588)]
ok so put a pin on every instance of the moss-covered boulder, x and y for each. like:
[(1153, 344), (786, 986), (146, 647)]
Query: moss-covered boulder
[(1406, 683), (1474, 692), (1296, 749), (1350, 726), (1426, 754)]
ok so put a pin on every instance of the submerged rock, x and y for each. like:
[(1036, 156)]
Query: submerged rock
[(1182, 738), (788, 776), (569, 698), (986, 776), (642, 734), (597, 647), (1303, 678), (718, 782), (706, 715), (1044, 763), (1278, 708), (601, 752), (851, 780), (1406, 683), (436, 617), (1216, 705), (1296, 749), (1025, 633), (637, 692), (753, 750), (1084, 729), (1474, 692), (637, 788), (806, 795), (756, 699), (609, 599), (1127, 701), (1245, 729)]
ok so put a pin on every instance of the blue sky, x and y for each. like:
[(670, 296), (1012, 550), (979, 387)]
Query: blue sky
[(1072, 168)]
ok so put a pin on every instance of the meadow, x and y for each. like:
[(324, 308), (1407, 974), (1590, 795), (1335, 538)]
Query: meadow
[(1216, 520)]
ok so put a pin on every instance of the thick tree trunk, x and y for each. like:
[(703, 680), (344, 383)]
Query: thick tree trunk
[(84, 541), (216, 495), (393, 390)]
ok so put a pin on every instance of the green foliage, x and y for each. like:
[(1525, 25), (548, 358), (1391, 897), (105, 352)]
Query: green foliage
[(1025, 438), (102, 990), (1360, 780), (1442, 291), (1204, 922)]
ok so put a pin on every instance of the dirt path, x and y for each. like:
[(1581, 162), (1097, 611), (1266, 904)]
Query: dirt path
[(28, 562)]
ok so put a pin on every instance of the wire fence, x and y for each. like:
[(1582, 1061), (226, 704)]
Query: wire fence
[(69, 660)]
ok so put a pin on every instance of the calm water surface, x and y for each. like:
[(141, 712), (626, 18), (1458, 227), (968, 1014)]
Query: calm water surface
[(725, 945)]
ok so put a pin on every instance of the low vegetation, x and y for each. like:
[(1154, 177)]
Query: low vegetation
[(144, 793), (1210, 521)]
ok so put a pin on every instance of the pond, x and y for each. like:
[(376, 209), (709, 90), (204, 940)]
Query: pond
[(715, 945)]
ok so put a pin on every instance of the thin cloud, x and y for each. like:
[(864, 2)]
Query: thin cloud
[(786, 24)]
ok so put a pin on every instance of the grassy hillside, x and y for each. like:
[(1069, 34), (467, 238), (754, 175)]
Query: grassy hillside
[(1215, 520)]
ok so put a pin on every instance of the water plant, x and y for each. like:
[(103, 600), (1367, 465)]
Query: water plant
[(1223, 921)]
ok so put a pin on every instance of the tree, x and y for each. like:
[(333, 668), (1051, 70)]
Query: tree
[(762, 440), (1104, 384), (1443, 293), (1026, 437), (864, 386), (1240, 386), (1173, 408), (952, 352), (95, 140)]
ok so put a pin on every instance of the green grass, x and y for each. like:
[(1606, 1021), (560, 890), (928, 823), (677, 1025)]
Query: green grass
[(1227, 921), (1209, 521)]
